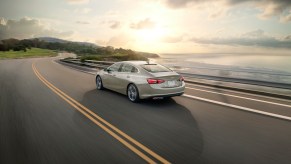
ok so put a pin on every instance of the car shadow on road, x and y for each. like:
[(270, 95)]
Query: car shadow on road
[(164, 126)]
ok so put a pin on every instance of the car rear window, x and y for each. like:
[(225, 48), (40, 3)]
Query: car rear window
[(128, 68), (155, 68)]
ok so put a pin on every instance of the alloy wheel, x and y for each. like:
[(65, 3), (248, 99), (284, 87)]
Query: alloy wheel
[(132, 93)]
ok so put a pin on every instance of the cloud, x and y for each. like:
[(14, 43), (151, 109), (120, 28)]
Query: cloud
[(143, 24), (286, 18), (254, 34), (273, 7), (82, 22), (78, 1), (82, 11), (114, 24), (217, 13), (268, 8), (172, 39), (119, 40), (179, 3), (100, 42), (253, 38), (28, 28)]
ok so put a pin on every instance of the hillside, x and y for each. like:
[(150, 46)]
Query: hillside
[(33, 52), (57, 40), (83, 50), (148, 55)]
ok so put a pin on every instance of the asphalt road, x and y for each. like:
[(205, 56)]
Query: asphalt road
[(39, 124)]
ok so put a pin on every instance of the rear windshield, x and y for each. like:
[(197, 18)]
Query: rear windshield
[(155, 68)]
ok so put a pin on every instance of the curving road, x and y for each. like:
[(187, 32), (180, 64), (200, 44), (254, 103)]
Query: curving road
[(50, 113)]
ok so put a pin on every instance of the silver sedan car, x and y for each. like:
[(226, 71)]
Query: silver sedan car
[(141, 80)]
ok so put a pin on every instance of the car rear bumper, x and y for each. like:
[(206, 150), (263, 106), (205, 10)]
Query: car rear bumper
[(146, 91), (167, 95)]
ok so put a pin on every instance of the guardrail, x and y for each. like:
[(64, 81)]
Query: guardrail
[(89, 63), (100, 62), (104, 64)]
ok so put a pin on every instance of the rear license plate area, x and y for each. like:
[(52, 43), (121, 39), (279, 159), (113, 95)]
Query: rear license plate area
[(171, 83)]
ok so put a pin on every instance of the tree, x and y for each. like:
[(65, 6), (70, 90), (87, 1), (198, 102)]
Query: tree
[(2, 47), (19, 48)]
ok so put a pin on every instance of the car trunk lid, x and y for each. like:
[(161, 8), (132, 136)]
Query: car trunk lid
[(171, 79)]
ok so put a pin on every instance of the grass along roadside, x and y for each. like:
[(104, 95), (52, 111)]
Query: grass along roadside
[(33, 52)]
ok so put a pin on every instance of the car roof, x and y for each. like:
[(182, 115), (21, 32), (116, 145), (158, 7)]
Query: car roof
[(137, 62)]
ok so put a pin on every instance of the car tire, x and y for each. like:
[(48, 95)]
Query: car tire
[(99, 83), (132, 93), (167, 98)]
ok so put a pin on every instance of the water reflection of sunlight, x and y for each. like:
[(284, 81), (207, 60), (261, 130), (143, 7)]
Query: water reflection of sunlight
[(256, 62), (274, 62)]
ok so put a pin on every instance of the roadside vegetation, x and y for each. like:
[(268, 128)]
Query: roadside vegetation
[(32, 52), (113, 55), (13, 48)]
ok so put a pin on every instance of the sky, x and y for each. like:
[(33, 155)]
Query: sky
[(160, 26)]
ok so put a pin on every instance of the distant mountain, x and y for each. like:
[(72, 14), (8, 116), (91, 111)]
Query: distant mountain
[(88, 44), (52, 40), (57, 40)]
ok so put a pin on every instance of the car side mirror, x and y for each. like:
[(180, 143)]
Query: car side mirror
[(108, 70)]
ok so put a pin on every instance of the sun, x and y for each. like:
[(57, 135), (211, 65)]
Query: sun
[(152, 35), (150, 39)]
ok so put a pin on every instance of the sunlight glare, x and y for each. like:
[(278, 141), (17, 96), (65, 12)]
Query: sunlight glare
[(150, 35)]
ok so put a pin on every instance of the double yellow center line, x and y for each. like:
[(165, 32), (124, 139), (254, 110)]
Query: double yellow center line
[(129, 142)]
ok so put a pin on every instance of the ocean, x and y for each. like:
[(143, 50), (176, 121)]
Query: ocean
[(274, 68)]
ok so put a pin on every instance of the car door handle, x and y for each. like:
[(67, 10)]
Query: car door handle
[(113, 75), (128, 76)]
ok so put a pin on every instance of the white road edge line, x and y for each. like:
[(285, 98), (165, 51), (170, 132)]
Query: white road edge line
[(289, 106), (240, 107), (227, 90)]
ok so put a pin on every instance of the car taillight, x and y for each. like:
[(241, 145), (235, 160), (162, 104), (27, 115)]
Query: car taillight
[(155, 81), (181, 78)]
